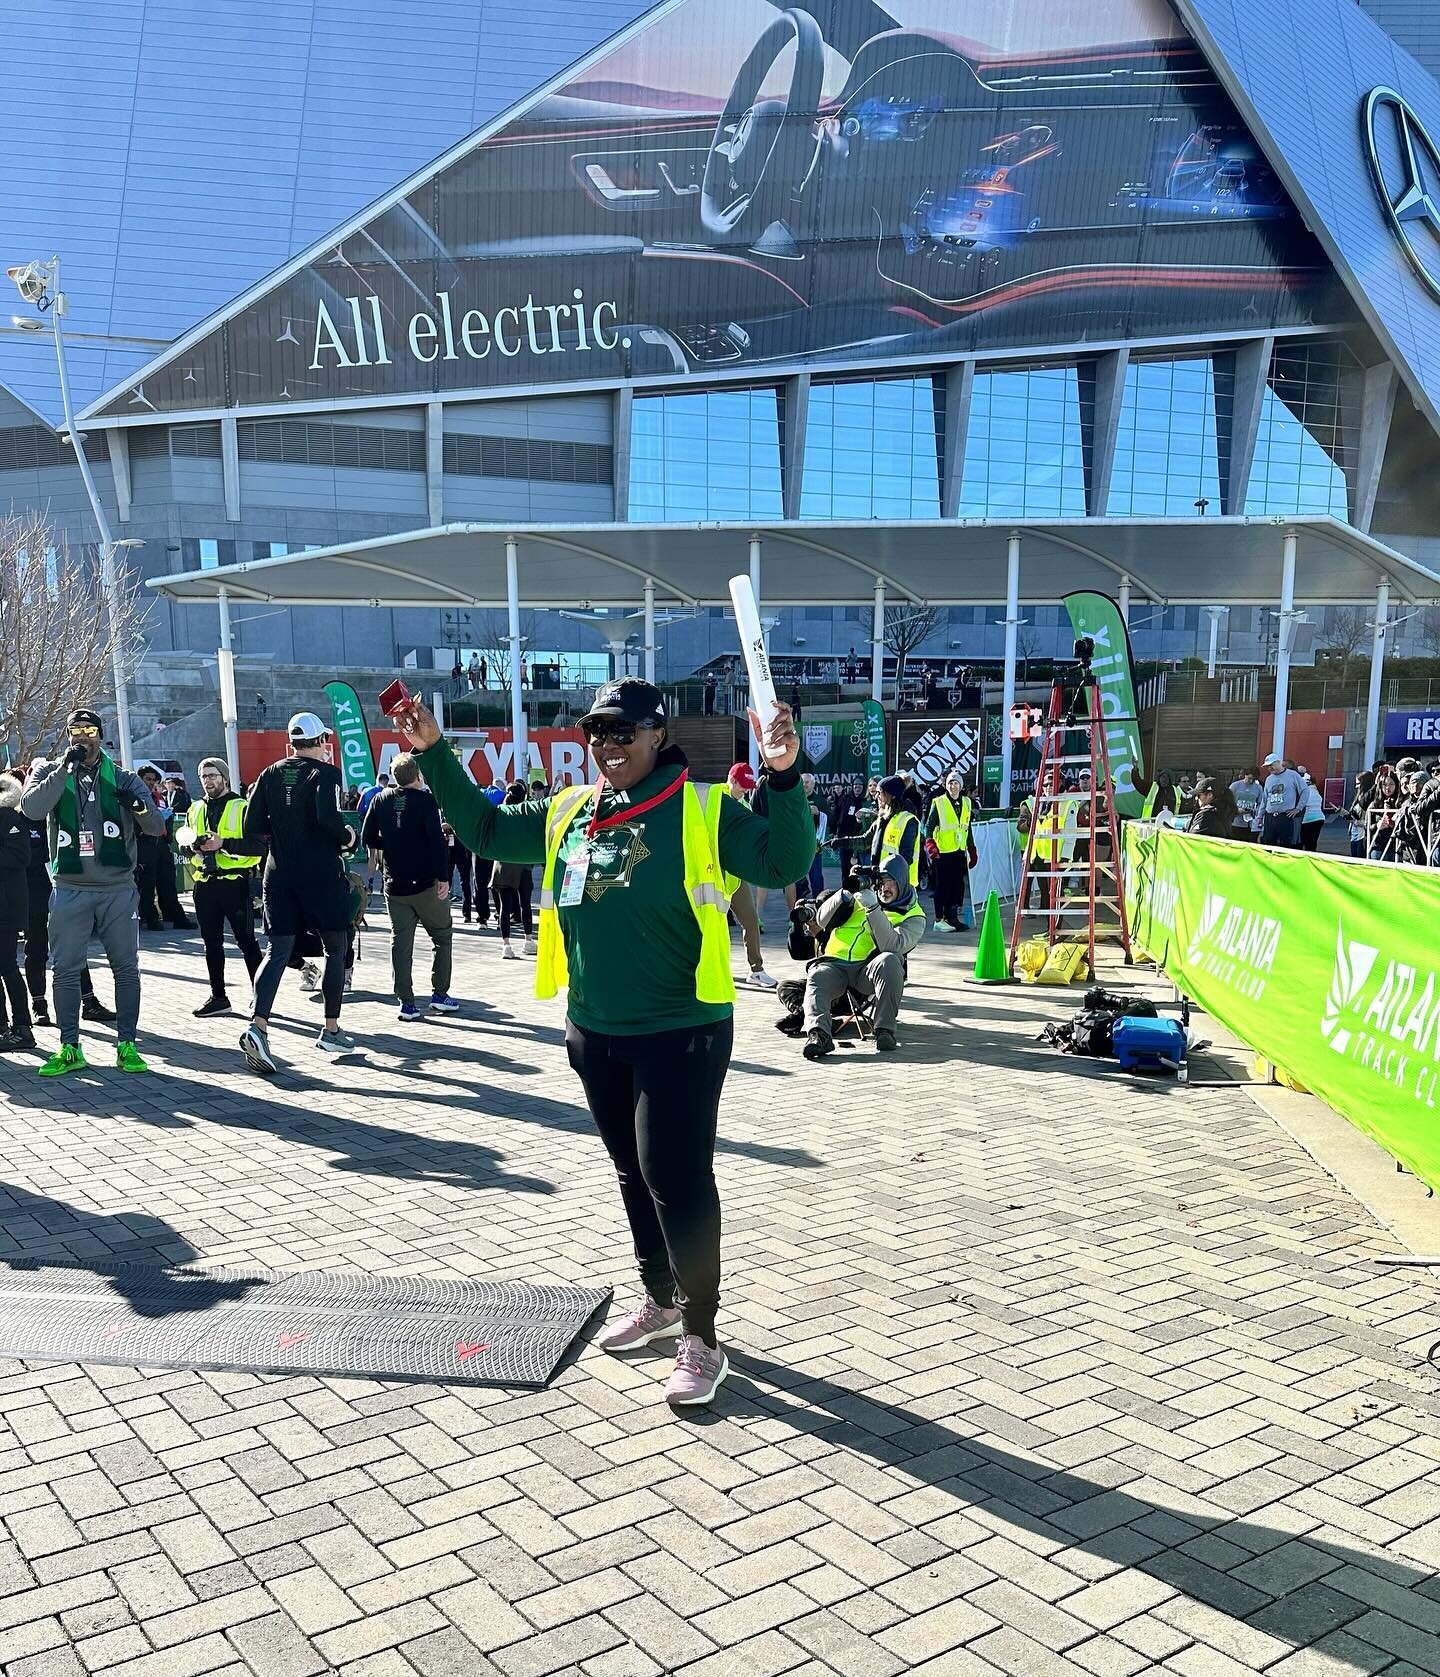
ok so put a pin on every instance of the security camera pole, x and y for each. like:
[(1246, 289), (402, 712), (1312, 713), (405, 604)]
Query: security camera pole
[(39, 283)]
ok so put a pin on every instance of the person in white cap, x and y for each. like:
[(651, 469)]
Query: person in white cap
[(295, 806), (1282, 801)]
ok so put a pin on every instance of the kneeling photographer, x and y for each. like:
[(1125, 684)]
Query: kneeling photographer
[(864, 938)]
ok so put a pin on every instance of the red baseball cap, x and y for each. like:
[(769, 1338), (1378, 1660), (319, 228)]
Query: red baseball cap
[(743, 776)]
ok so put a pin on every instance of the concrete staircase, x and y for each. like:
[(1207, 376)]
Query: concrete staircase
[(710, 742)]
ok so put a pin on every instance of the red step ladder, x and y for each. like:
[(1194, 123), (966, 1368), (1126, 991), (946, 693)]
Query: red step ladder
[(1103, 883)]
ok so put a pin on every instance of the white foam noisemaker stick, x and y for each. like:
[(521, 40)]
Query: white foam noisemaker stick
[(757, 660)]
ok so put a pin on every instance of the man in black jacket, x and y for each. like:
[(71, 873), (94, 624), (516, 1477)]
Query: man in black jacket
[(294, 808), (403, 825)]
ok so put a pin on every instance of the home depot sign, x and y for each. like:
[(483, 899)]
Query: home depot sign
[(488, 754)]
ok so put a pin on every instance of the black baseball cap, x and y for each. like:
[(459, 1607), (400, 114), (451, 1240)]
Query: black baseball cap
[(84, 717), (628, 700)]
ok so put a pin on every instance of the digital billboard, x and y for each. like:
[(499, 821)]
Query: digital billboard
[(737, 185)]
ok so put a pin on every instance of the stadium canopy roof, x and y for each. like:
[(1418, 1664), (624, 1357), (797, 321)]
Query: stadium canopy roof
[(1195, 561)]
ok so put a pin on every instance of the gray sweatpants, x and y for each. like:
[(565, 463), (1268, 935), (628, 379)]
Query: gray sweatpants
[(78, 913), (881, 976), (427, 910)]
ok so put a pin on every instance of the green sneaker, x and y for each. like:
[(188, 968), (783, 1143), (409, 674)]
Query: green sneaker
[(67, 1057), (127, 1057)]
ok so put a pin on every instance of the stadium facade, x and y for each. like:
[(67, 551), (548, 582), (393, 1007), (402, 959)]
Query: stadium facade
[(717, 262)]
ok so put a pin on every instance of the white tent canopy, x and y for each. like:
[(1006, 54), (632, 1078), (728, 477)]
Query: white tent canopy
[(1186, 561), (1192, 561)]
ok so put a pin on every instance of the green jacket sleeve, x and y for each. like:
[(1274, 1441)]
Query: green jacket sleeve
[(771, 850), (514, 833)]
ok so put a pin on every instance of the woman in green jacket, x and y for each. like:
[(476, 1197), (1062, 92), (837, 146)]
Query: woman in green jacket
[(633, 899)]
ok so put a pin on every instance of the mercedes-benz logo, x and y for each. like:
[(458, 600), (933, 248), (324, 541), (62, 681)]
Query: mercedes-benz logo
[(1406, 165)]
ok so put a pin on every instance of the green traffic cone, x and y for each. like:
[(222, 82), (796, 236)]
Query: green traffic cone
[(992, 964)]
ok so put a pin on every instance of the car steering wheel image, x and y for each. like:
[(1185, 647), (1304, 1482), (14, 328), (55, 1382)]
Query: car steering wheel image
[(751, 130)]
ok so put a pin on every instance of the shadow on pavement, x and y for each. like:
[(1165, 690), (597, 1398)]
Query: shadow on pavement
[(36, 1231), (1174, 1543)]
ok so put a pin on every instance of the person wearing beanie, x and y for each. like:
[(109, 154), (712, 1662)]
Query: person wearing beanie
[(223, 863), (94, 813), (895, 829)]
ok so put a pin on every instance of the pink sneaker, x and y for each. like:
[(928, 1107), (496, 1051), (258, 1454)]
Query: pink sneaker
[(699, 1369), (643, 1326)]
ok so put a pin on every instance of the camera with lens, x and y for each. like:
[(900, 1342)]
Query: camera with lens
[(864, 876), (1084, 650)]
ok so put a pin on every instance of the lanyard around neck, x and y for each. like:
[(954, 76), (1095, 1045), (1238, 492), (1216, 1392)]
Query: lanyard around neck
[(631, 810)]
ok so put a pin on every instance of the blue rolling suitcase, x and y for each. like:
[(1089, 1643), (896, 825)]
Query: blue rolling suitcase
[(1150, 1045)]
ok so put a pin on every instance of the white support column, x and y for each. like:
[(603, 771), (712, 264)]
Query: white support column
[(1012, 644), (754, 753), (435, 463), (877, 644), (1124, 601), (649, 628), (1214, 613), (229, 710), (230, 467), (1287, 635), (1377, 671), (517, 698)]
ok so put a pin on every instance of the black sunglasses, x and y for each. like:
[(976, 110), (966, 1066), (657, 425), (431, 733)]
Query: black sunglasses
[(621, 733)]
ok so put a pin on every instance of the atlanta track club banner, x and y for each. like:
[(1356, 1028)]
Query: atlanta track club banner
[(1328, 968)]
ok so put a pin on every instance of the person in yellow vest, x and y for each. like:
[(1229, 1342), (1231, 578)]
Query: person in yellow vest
[(224, 868), (950, 848), (867, 935), (895, 828), (1163, 800), (637, 876)]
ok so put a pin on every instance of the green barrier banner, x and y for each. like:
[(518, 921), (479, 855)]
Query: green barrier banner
[(835, 751), (357, 763), (1097, 616), (1328, 968), (874, 714)]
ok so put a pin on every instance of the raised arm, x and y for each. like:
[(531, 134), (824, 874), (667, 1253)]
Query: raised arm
[(771, 850), (508, 833)]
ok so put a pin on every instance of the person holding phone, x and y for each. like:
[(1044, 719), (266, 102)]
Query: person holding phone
[(638, 871), (94, 812)]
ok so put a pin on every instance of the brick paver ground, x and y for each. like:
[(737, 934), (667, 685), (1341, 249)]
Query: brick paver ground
[(1037, 1370)]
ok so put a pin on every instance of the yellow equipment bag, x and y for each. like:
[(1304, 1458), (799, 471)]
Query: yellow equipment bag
[(1030, 959), (1066, 963)]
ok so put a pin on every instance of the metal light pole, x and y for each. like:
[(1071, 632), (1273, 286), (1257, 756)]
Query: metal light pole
[(39, 284)]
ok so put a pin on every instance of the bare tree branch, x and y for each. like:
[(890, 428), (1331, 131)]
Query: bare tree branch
[(491, 636), (905, 628), (56, 633)]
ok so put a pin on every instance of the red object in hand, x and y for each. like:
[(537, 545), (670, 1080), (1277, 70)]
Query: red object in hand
[(932, 850), (394, 699)]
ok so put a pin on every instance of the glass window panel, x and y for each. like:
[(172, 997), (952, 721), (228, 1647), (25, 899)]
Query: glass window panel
[(872, 451), (1167, 461), (1023, 448), (714, 454)]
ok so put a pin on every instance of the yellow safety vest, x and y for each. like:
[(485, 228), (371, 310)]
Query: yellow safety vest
[(890, 842), (951, 830), (232, 826), (1147, 809), (1046, 831), (707, 886), (852, 939)]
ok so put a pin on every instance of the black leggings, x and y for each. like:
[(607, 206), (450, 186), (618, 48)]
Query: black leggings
[(515, 906), (14, 913), (219, 900), (655, 1100), (277, 958)]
